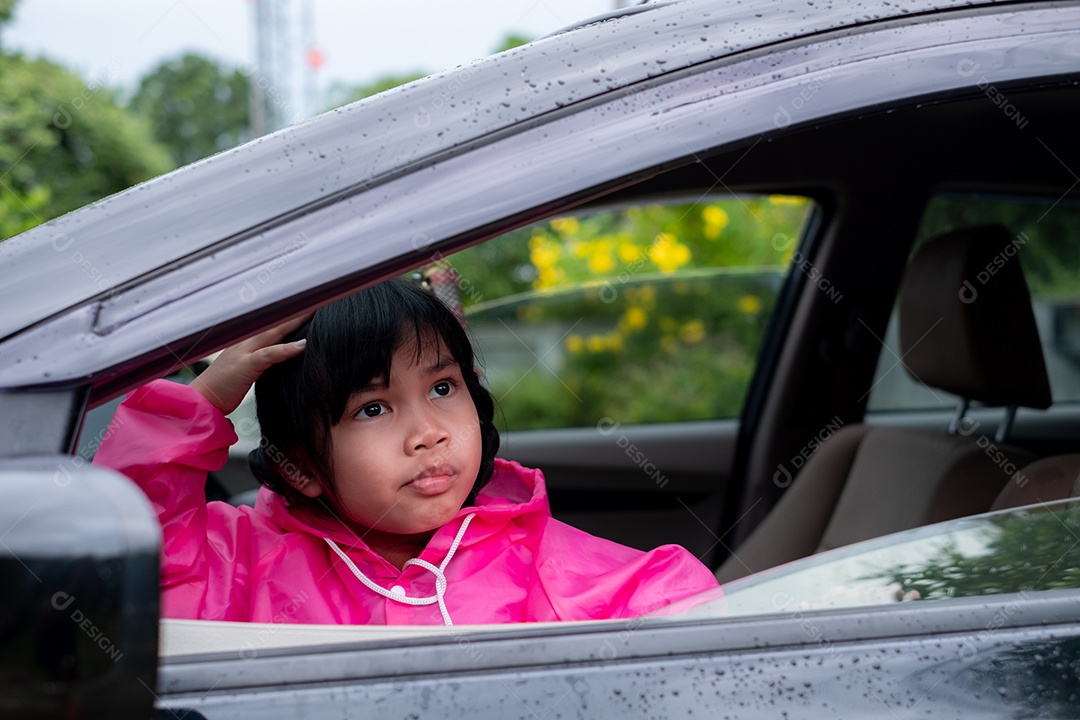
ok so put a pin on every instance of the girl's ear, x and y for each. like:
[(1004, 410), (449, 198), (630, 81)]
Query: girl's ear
[(306, 485)]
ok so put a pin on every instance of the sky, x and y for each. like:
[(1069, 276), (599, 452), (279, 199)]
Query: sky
[(114, 42)]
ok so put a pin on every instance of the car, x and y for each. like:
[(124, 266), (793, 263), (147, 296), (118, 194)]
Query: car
[(721, 232)]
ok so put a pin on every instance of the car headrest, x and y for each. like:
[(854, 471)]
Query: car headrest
[(966, 324)]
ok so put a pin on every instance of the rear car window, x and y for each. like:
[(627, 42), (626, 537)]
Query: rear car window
[(1046, 241)]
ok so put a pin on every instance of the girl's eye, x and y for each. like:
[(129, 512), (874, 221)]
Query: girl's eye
[(372, 410), (442, 389)]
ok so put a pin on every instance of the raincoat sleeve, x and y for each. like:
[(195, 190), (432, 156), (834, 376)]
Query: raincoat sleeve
[(166, 437), (590, 578)]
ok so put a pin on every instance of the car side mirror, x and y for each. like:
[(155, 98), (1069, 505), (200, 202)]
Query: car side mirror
[(79, 592)]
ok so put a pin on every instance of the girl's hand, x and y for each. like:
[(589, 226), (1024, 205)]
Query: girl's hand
[(232, 374)]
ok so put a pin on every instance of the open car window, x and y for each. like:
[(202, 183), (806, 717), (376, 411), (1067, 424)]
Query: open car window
[(650, 312)]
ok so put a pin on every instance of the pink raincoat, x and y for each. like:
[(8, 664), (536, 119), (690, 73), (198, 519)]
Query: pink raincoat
[(504, 560)]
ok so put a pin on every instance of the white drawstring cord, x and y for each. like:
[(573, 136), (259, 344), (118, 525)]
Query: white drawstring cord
[(440, 578)]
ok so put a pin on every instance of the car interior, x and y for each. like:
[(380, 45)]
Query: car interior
[(907, 204), (876, 181), (866, 481)]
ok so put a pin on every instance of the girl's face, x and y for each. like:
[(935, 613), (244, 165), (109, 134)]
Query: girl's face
[(408, 450)]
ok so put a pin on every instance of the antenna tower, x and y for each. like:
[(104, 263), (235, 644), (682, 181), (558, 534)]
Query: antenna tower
[(283, 80)]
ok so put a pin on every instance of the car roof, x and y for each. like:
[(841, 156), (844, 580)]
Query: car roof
[(201, 208)]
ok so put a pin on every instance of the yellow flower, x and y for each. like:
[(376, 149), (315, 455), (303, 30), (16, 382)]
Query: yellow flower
[(574, 343), (634, 319), (545, 255), (628, 252), (668, 253), (692, 331), (595, 343), (600, 261), (787, 200), (565, 225), (716, 219), (749, 304), (549, 277)]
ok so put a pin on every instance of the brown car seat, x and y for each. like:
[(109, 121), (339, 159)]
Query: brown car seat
[(966, 327), (1052, 478)]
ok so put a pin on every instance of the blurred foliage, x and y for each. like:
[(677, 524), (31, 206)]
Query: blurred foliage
[(342, 94), (64, 142), (511, 41), (7, 9), (1049, 231), (651, 313), (19, 211), (195, 106), (1022, 553)]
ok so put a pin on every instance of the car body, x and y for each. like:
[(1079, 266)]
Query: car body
[(866, 112)]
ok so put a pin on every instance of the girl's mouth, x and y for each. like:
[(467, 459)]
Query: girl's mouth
[(433, 481)]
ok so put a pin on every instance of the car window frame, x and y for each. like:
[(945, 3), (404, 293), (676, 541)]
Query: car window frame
[(699, 100)]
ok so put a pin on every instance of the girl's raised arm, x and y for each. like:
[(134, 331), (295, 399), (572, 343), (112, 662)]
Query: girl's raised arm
[(230, 376)]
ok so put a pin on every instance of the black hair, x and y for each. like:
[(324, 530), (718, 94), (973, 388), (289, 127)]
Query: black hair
[(350, 343)]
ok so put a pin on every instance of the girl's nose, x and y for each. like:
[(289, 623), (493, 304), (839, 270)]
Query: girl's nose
[(426, 435)]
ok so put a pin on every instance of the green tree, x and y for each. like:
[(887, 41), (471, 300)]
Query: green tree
[(1047, 229), (64, 142), (511, 41), (342, 94), (195, 106), (7, 9), (21, 211)]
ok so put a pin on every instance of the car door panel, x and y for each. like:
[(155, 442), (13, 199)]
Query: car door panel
[(641, 485), (969, 658)]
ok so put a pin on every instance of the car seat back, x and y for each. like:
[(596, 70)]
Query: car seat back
[(963, 330), (1052, 478)]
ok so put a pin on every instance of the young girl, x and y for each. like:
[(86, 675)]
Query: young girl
[(383, 502)]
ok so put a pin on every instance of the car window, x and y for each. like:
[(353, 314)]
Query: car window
[(1013, 551), (1046, 234), (1022, 550), (644, 313)]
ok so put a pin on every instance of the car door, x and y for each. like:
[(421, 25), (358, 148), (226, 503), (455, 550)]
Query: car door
[(954, 620), (618, 146)]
